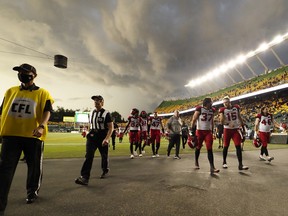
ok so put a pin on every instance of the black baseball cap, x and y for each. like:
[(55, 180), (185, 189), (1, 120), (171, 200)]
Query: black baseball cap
[(97, 97), (26, 68)]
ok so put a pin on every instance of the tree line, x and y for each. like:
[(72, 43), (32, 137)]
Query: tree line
[(58, 114)]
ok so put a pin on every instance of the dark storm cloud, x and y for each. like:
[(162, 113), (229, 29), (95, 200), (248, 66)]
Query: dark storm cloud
[(154, 46)]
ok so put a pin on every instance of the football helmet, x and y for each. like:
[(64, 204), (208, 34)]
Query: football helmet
[(134, 112), (148, 142), (143, 114), (257, 142), (192, 141)]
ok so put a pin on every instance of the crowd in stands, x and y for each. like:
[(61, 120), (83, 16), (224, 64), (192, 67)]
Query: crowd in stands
[(249, 107), (273, 78)]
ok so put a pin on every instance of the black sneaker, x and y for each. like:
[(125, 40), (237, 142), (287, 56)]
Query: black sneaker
[(81, 181), (31, 198), (104, 174)]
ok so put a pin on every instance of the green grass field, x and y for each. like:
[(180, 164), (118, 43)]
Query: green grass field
[(72, 145)]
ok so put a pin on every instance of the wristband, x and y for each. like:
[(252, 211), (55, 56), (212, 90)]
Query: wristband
[(41, 126)]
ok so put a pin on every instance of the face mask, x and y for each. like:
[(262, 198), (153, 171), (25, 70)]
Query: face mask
[(25, 78)]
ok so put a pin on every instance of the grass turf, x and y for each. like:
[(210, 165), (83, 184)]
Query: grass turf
[(72, 145)]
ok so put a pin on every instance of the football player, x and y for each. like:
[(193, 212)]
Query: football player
[(155, 123), (134, 122), (203, 118), (143, 135), (231, 119), (120, 134), (263, 124)]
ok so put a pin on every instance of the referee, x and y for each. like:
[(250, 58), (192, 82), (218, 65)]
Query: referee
[(101, 128)]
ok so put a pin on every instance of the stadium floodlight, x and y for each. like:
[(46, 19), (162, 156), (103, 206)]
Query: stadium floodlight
[(223, 68), (241, 59), (278, 39), (250, 54), (263, 47), (231, 64), (213, 74)]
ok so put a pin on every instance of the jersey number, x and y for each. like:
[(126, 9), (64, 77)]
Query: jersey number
[(134, 124), (231, 116), (264, 122), (155, 124), (206, 117)]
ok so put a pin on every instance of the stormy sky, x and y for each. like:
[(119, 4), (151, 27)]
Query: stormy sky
[(135, 53)]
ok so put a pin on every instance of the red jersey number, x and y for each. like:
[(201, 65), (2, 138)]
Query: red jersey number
[(206, 117), (231, 116)]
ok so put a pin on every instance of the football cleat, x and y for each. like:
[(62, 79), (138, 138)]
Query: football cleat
[(270, 158), (262, 158), (243, 167), (214, 170)]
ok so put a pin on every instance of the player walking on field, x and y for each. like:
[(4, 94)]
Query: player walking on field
[(143, 134), (263, 124), (203, 118), (134, 122), (231, 119), (156, 125)]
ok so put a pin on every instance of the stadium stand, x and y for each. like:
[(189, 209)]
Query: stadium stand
[(277, 101)]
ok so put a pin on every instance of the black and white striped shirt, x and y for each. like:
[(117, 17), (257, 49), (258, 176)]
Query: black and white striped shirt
[(99, 120)]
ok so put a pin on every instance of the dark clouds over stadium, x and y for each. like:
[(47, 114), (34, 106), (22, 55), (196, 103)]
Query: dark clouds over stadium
[(134, 52)]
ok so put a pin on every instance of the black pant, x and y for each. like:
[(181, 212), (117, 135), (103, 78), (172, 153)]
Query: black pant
[(174, 139), (113, 138), (92, 144), (184, 140), (11, 150)]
